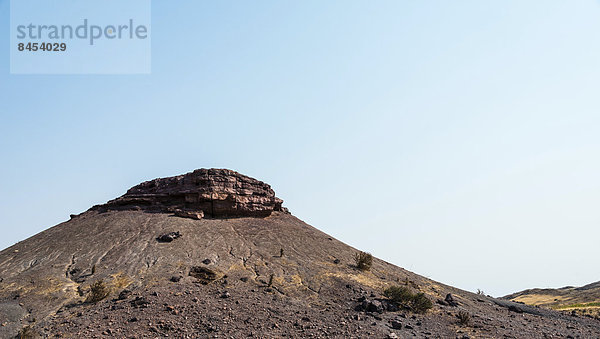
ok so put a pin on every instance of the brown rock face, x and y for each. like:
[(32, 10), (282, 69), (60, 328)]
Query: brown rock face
[(215, 192)]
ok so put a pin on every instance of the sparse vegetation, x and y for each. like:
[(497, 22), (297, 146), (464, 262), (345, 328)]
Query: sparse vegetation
[(363, 261), (464, 318), (205, 275), (421, 303), (480, 292), (270, 280), (416, 302), (27, 332), (281, 253), (98, 291), (579, 305)]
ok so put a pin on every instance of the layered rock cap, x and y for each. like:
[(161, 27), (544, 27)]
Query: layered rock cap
[(216, 193)]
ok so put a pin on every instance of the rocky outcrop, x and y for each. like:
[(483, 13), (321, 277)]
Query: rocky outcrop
[(215, 193)]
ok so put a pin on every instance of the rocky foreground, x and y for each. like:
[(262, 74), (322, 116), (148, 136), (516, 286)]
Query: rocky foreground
[(168, 259)]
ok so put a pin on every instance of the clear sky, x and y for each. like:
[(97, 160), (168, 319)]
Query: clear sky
[(457, 139)]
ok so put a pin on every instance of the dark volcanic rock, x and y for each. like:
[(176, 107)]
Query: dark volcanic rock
[(169, 237), (370, 306), (214, 192), (396, 324)]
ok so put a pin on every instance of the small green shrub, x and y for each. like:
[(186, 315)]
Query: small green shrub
[(98, 291), (416, 302), (363, 261), (421, 303), (398, 294), (464, 318)]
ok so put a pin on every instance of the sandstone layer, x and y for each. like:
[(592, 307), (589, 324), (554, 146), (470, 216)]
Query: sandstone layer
[(218, 193)]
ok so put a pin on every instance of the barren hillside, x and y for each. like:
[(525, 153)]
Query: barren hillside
[(149, 264)]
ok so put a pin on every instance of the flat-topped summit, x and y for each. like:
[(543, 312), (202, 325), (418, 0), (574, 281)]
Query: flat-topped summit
[(214, 192)]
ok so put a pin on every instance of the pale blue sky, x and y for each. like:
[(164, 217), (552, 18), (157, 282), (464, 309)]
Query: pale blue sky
[(457, 139)]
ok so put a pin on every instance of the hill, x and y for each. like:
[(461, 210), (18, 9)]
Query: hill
[(213, 253), (583, 300)]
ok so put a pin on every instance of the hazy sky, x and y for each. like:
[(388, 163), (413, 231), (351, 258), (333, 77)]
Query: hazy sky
[(457, 139)]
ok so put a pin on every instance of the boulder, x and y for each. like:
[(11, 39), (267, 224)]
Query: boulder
[(374, 306)]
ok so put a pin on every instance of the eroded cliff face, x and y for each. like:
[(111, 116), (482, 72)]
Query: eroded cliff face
[(218, 193)]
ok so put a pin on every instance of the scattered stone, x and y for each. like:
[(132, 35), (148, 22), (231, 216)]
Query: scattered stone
[(392, 335), (168, 237), (370, 306), (206, 261), (336, 261), (176, 278), (225, 295), (140, 302)]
